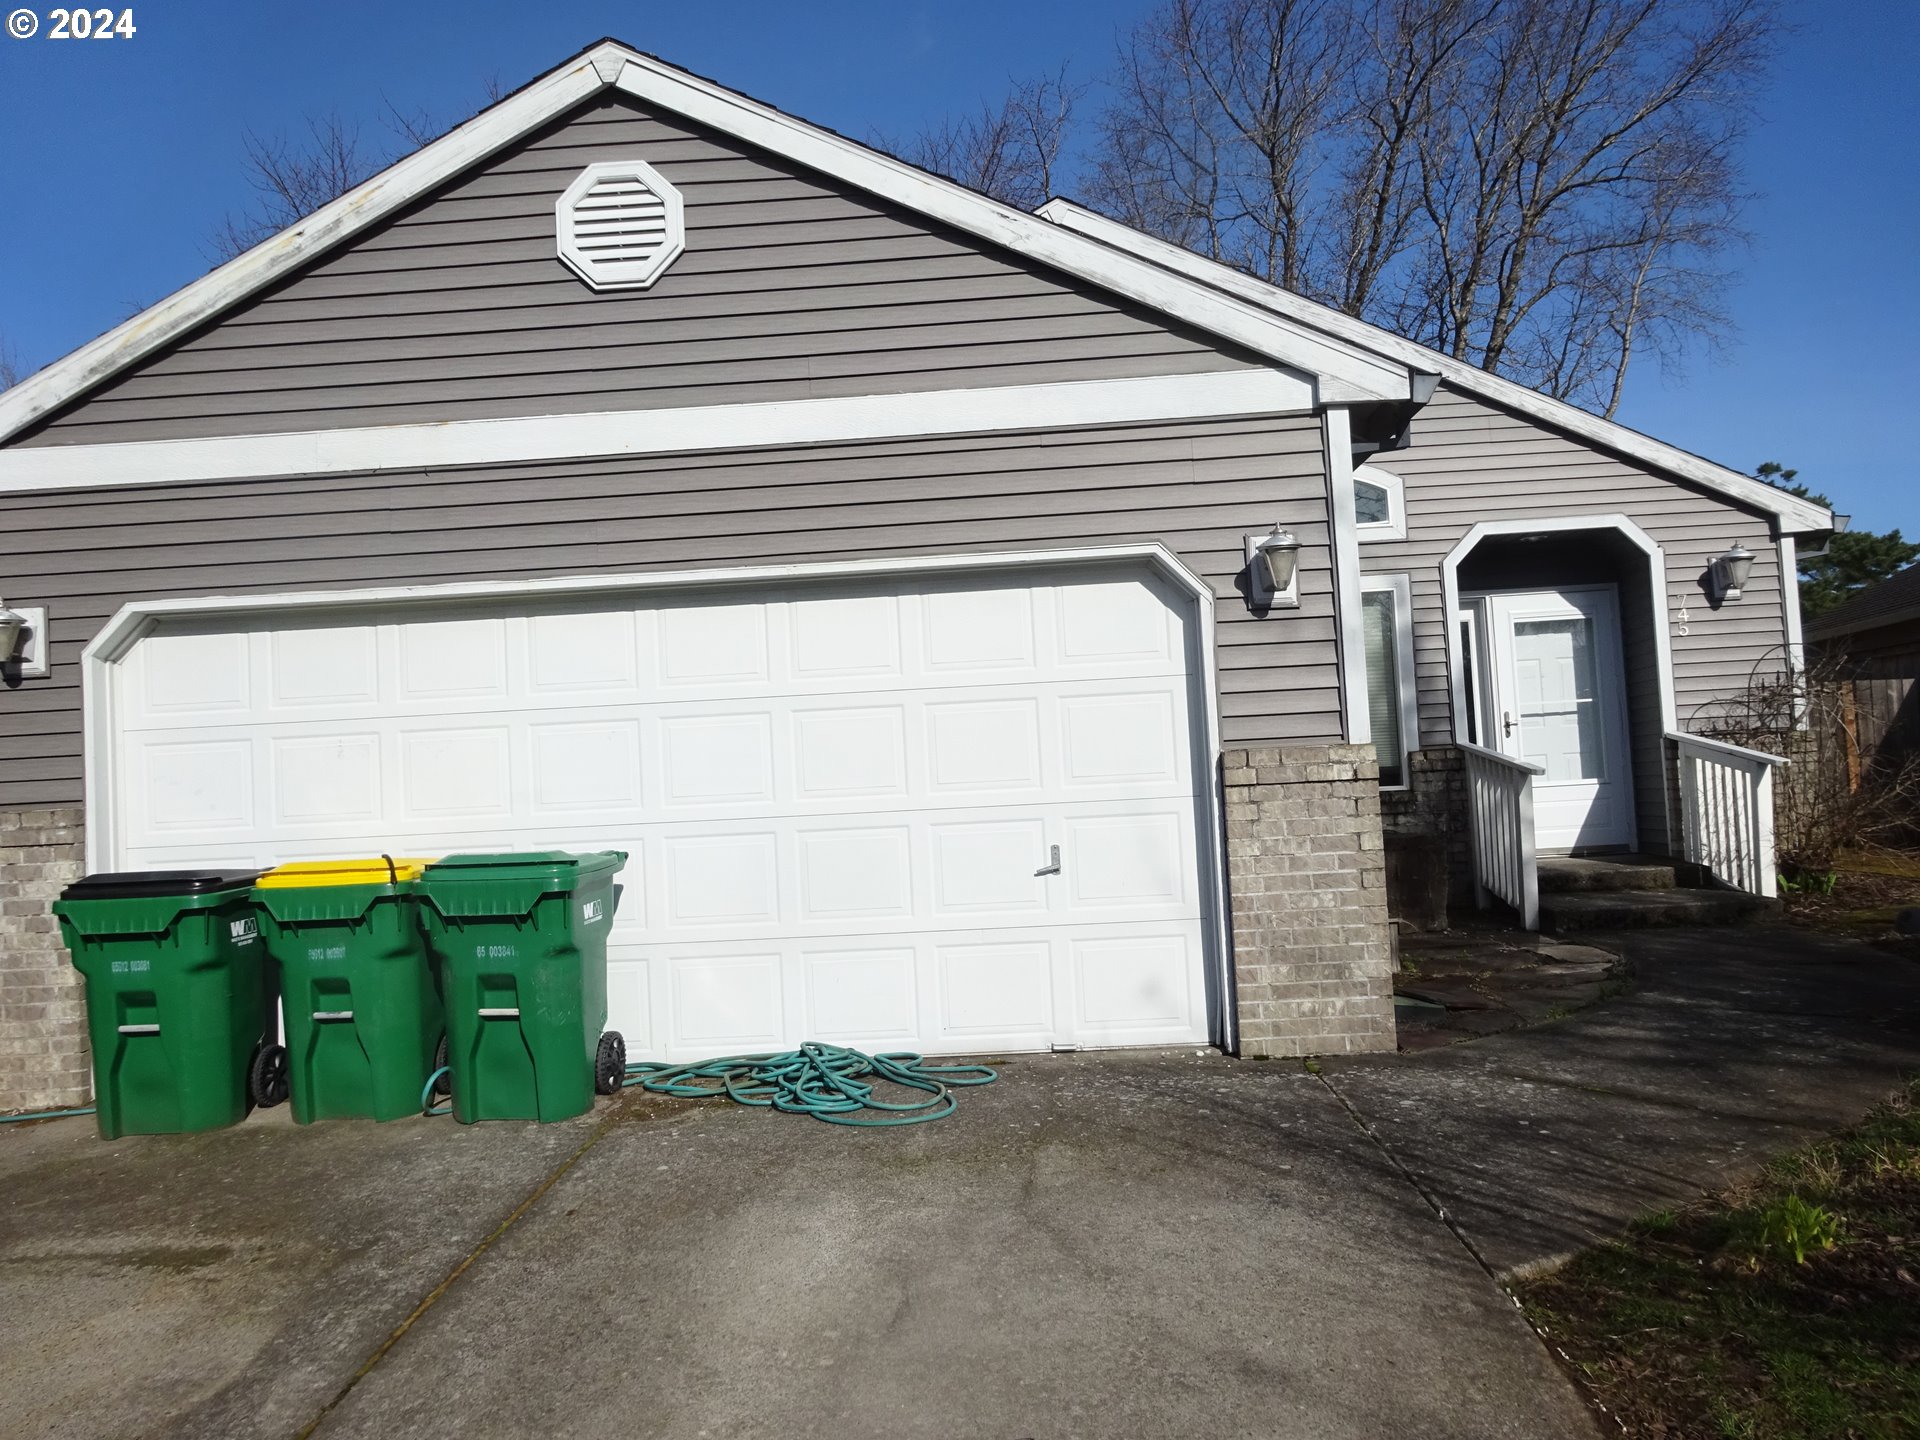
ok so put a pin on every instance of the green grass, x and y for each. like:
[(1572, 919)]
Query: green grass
[(1701, 1321)]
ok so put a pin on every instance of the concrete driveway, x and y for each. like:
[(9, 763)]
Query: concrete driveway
[(1162, 1244)]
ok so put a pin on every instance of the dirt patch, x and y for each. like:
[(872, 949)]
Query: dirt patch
[(1868, 894)]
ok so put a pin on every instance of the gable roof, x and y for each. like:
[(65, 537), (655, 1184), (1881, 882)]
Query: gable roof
[(1343, 372), (1893, 600), (1797, 516)]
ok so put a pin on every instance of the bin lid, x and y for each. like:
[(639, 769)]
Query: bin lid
[(374, 870), (510, 884), (566, 864), (147, 884)]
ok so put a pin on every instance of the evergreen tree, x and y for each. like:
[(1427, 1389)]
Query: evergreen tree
[(1854, 559)]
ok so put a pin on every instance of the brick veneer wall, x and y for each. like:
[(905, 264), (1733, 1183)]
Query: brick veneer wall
[(1307, 895), (1435, 803), (43, 1038)]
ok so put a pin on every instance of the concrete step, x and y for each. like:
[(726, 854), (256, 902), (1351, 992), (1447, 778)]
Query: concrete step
[(1570, 910), (1562, 873)]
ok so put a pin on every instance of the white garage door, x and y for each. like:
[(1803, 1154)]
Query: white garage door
[(843, 806)]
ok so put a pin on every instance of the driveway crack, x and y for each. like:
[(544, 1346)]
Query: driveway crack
[(1561, 1360), (553, 1177)]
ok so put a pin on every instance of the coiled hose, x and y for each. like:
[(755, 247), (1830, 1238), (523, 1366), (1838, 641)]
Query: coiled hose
[(828, 1082)]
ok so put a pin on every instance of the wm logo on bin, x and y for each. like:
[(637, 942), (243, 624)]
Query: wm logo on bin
[(589, 911), (243, 930)]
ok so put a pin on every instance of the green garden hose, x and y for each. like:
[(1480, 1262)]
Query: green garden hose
[(45, 1115), (827, 1082)]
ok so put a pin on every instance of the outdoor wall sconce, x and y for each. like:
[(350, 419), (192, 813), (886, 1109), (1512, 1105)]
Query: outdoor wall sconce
[(1730, 572), (23, 646), (1273, 569)]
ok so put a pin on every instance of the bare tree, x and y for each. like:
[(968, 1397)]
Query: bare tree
[(1544, 188), (1845, 788), (292, 179), (1011, 151), (10, 372)]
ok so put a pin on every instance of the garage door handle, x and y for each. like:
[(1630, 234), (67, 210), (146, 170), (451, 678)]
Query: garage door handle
[(1053, 862)]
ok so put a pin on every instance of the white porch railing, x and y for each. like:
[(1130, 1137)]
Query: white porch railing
[(1726, 811), (1500, 804)]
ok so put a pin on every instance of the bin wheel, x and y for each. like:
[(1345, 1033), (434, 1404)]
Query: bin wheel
[(610, 1064), (267, 1075), (443, 1087)]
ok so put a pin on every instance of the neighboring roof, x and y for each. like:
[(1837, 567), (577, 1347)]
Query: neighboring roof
[(1344, 372), (1893, 600), (1797, 516)]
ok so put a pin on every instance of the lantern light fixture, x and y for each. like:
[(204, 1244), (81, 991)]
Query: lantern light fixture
[(23, 642), (1730, 571), (1273, 569)]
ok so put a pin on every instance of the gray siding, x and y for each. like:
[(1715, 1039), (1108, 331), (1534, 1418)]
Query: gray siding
[(792, 287), (1196, 487), (1470, 462)]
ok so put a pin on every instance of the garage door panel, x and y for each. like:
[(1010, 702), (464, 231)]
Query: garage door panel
[(455, 772), (704, 645), (995, 993), (725, 1001), (453, 659), (1128, 861), (328, 668), (839, 805), (582, 654), (581, 769), (865, 997), (978, 633), (328, 779), (176, 679), (1133, 987), (849, 752)]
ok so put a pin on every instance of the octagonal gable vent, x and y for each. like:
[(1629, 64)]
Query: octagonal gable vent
[(620, 225)]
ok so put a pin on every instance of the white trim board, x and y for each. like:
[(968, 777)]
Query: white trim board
[(1632, 533), (1344, 371), (1399, 585), (1337, 433), (652, 432), (1794, 513), (134, 620)]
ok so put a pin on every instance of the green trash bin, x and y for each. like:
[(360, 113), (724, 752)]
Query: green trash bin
[(362, 1006), (521, 941), (180, 1000)]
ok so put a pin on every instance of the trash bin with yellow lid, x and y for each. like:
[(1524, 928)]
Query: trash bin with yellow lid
[(361, 1000)]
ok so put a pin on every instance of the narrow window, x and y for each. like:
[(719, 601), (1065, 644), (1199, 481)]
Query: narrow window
[(1386, 627)]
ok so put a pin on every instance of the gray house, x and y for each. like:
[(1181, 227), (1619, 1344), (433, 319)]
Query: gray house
[(985, 631)]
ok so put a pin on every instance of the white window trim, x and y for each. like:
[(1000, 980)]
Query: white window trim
[(1394, 527), (1401, 588), (1336, 434)]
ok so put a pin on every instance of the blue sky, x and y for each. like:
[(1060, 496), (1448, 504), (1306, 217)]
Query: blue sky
[(1822, 375)]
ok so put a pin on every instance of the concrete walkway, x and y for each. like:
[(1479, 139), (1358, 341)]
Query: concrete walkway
[(1113, 1245)]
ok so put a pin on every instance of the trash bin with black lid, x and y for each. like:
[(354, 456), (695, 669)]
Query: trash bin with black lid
[(521, 941), (362, 1005), (180, 999)]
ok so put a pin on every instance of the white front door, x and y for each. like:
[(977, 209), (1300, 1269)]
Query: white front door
[(1559, 701), (956, 815)]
